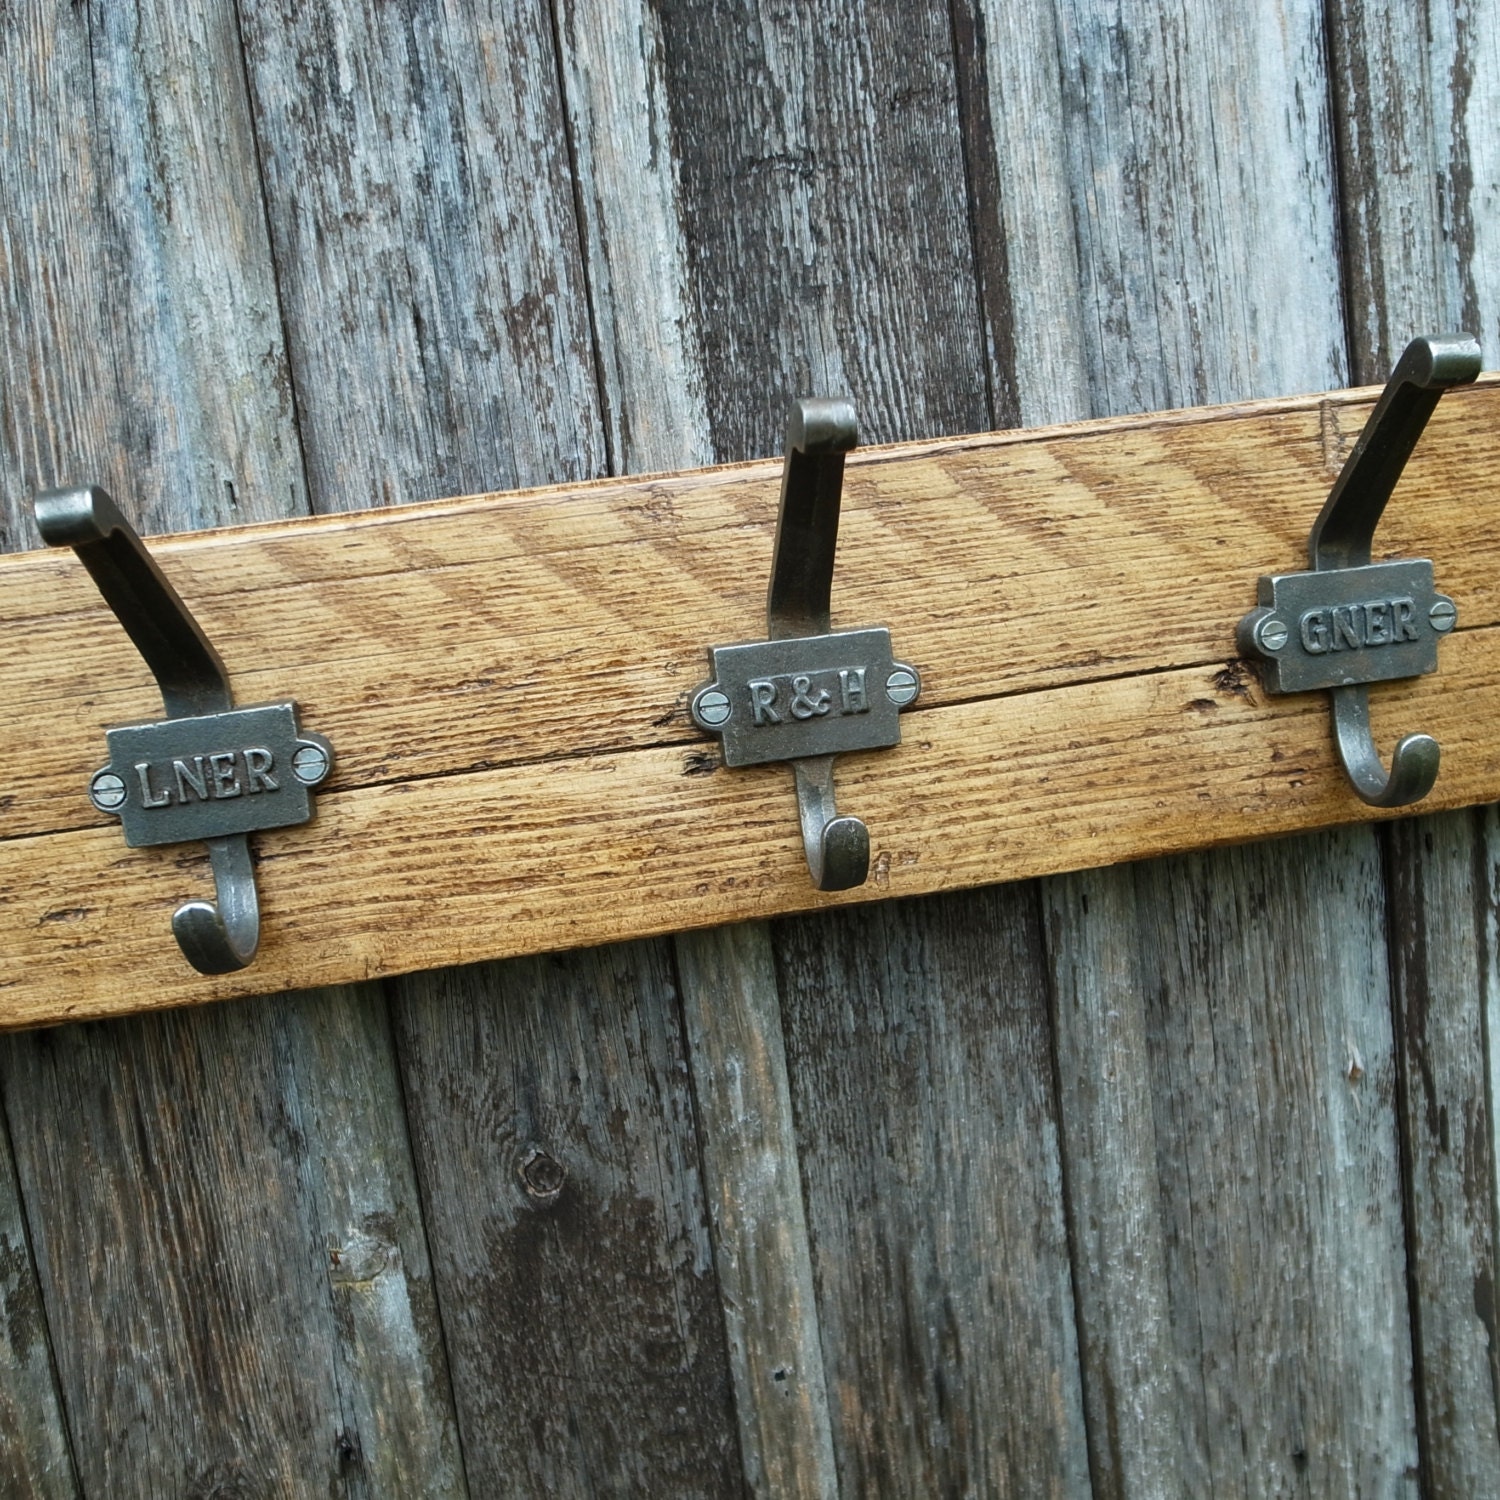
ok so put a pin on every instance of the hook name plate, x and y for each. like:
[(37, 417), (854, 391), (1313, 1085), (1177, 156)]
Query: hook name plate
[(1350, 622), (809, 693), (243, 771), (207, 771), (1328, 630), (814, 695)]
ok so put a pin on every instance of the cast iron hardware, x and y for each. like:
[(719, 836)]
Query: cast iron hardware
[(207, 771), (1351, 622), (807, 694)]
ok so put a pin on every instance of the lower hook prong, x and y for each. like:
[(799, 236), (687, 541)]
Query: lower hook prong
[(838, 848), (220, 937), (1414, 763)]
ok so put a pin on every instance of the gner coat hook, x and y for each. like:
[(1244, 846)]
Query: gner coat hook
[(208, 771), (805, 694), (1350, 622)]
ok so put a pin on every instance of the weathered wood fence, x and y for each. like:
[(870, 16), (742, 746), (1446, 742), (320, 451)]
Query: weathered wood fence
[(1168, 1179)]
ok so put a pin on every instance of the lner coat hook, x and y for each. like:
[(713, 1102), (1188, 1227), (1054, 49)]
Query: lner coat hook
[(1349, 622), (806, 694), (208, 771)]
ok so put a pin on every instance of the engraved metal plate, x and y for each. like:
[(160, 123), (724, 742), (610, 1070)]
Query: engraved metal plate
[(1347, 626), (810, 695), (240, 771)]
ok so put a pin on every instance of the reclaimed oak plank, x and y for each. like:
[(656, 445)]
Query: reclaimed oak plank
[(1002, 563), (355, 893)]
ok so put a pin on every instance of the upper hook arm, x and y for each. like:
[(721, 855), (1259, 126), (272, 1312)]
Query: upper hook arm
[(820, 431), (182, 659), (1345, 528)]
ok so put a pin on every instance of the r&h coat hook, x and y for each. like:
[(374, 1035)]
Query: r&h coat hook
[(806, 694), (1350, 622), (208, 771)]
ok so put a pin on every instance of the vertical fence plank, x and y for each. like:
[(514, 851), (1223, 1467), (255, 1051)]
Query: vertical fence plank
[(1197, 148), (550, 1097), (142, 343), (35, 1458), (1418, 106), (752, 1171), (417, 180), (161, 1158), (440, 332), (823, 180), (925, 1111), (653, 389), (1441, 942)]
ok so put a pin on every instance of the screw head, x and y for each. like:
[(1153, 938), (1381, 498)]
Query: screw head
[(1271, 634), (711, 708), (107, 790), (1443, 615), (310, 764), (901, 686)]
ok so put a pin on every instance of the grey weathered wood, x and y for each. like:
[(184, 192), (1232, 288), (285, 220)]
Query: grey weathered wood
[(1200, 157), (147, 350), (417, 172), (358, 1189), (1273, 1088), (918, 1049), (824, 197), (141, 346), (823, 191), (751, 1169), (1113, 1188), (35, 1457), (553, 1122), (1418, 104), (417, 182), (1442, 930), (651, 378), (1021, 203), (1192, 139), (173, 1166), (652, 388)]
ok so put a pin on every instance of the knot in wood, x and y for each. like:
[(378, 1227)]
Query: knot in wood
[(541, 1175)]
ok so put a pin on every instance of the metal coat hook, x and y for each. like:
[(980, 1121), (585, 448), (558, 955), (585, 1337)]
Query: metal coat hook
[(1349, 622), (208, 771), (807, 694)]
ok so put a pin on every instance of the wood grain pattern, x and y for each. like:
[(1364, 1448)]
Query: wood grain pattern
[(1440, 940), (180, 1176), (653, 392), (418, 171), (588, 1259), (417, 185), (1282, 1220), (1003, 564), (845, 263), (144, 347), (35, 1453), (761, 1250), (938, 1239)]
